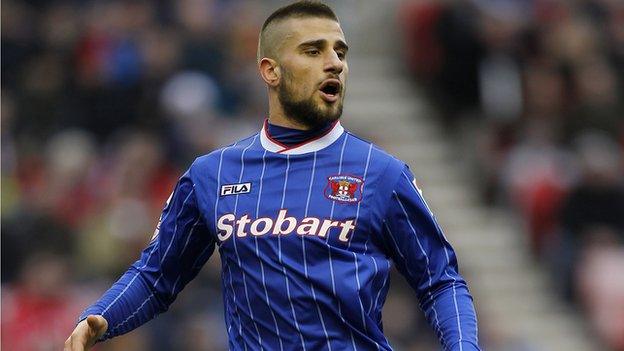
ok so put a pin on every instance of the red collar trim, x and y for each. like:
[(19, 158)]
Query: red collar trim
[(317, 143)]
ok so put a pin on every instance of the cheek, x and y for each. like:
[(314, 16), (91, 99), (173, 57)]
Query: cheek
[(303, 82), (302, 87), (296, 88)]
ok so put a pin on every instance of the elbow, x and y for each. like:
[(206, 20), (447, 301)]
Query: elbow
[(441, 288), (152, 281)]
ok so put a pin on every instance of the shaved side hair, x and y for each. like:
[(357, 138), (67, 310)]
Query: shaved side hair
[(269, 40)]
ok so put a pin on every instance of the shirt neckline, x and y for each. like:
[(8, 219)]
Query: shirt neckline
[(315, 144)]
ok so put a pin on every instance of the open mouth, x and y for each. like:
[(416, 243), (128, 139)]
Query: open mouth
[(330, 89)]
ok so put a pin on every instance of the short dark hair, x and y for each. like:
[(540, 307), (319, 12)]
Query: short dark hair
[(305, 8), (299, 9)]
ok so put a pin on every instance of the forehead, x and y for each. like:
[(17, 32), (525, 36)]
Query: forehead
[(299, 30)]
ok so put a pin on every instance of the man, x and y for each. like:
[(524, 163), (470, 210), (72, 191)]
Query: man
[(307, 218)]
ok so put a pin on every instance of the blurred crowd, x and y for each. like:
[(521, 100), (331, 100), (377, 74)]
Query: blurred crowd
[(104, 105), (536, 88)]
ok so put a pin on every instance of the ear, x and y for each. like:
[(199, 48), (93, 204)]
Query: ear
[(269, 71)]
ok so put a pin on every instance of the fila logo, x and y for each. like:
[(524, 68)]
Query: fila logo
[(235, 189)]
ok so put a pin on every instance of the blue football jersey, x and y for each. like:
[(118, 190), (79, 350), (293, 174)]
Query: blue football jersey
[(307, 235)]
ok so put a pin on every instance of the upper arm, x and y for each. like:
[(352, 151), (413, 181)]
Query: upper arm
[(181, 244), (415, 241)]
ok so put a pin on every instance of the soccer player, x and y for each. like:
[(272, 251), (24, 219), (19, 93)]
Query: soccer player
[(308, 219)]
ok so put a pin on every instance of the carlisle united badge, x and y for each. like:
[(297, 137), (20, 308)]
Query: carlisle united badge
[(344, 188)]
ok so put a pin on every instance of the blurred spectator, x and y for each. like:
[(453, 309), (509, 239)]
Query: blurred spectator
[(600, 105), (598, 199), (594, 206), (536, 175), (601, 295), (39, 309), (444, 51), (31, 231)]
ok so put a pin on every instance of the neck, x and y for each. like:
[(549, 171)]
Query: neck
[(279, 119), (291, 136)]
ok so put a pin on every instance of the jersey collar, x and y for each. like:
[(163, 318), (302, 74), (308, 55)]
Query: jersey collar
[(315, 144)]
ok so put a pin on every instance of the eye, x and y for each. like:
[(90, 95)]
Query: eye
[(341, 55), (313, 52)]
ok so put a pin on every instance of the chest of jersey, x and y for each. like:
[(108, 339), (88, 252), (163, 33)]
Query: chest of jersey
[(273, 197)]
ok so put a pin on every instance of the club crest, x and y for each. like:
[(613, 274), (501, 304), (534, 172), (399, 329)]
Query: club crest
[(344, 188)]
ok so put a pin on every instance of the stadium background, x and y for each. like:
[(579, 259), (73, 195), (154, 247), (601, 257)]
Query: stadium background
[(104, 104)]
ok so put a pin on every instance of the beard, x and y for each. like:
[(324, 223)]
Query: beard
[(306, 111)]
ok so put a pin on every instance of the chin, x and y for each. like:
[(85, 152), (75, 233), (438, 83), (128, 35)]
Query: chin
[(313, 113), (328, 110), (336, 109), (330, 106)]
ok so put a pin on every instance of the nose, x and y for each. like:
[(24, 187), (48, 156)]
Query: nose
[(333, 63)]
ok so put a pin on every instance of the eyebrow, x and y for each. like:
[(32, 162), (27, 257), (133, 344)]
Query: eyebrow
[(321, 42)]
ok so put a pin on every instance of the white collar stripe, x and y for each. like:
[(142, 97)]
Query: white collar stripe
[(311, 146)]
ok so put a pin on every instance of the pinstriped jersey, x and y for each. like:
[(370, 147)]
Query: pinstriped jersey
[(307, 235)]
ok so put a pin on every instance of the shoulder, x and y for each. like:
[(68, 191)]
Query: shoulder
[(209, 163), (390, 164), (211, 159)]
